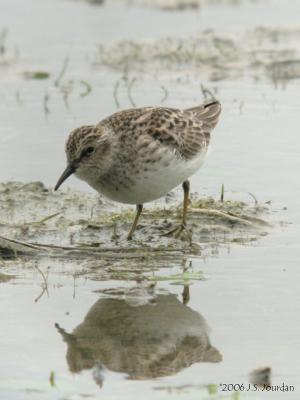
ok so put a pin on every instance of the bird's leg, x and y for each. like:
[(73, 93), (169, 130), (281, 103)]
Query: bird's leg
[(186, 191), (176, 232), (139, 209)]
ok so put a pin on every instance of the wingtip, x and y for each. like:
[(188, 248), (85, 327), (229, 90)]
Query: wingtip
[(212, 103)]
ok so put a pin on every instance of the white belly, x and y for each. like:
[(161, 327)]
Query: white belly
[(156, 181)]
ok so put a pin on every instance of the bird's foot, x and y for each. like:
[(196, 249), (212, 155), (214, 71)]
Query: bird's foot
[(180, 232)]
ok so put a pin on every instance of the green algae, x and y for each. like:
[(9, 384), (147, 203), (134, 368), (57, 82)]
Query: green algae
[(36, 75)]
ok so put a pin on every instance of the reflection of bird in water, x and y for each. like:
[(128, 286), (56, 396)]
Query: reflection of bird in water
[(146, 341)]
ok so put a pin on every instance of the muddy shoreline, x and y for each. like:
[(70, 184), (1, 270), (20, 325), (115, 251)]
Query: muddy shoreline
[(78, 221)]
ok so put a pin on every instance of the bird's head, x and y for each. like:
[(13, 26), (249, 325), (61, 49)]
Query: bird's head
[(88, 154)]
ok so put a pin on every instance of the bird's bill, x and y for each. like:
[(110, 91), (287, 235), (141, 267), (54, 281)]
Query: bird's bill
[(70, 169)]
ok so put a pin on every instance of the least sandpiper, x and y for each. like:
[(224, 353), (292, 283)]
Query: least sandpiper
[(139, 155)]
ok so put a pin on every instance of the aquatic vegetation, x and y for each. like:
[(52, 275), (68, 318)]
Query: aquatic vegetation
[(217, 57), (36, 75)]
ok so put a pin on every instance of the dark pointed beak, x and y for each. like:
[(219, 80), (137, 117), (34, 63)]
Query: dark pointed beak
[(71, 168)]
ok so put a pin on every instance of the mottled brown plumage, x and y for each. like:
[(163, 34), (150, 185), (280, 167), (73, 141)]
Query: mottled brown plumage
[(138, 155)]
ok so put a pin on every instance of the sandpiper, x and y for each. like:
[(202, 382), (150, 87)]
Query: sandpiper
[(138, 155)]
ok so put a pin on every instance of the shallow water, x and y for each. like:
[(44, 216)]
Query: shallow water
[(244, 300)]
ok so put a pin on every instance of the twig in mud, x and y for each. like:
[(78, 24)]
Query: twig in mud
[(62, 72), (163, 88), (115, 93), (253, 197), (166, 93), (44, 285), (129, 89), (231, 217), (222, 193), (43, 220), (47, 218), (40, 296), (66, 90), (17, 246), (88, 88)]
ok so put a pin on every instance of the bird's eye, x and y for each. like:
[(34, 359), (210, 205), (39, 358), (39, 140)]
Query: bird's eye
[(88, 151)]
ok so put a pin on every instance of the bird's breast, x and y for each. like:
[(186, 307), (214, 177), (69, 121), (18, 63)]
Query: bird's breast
[(147, 181)]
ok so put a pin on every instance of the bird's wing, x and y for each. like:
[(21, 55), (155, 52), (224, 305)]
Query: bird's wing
[(125, 120), (187, 131)]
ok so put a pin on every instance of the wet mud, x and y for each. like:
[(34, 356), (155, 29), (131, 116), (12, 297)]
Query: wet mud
[(35, 220)]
